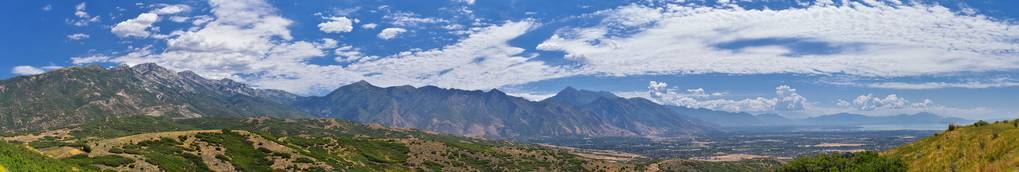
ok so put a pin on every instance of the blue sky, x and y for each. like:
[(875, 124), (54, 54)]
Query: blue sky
[(795, 58)]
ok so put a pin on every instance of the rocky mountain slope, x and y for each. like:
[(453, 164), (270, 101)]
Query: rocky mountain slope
[(493, 114), (76, 95)]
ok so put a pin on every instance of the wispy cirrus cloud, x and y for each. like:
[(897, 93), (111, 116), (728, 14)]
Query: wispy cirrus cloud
[(973, 84), (249, 41), (857, 38)]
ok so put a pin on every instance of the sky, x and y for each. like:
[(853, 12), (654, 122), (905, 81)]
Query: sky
[(795, 58)]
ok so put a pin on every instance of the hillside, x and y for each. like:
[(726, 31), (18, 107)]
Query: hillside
[(978, 147), (77, 95), (265, 144), (493, 114)]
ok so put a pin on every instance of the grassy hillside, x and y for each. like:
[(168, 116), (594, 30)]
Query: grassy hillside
[(979, 147), (248, 144), (17, 157), (859, 161)]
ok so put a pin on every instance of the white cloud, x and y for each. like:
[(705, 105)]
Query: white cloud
[(139, 26), (883, 40), (77, 36), (246, 41), (172, 9), (83, 18), (369, 26), (975, 84), (179, 19), (349, 54), (47, 7), (892, 104), (390, 33), (26, 70), (870, 102), (337, 25), (136, 27), (483, 60), (786, 99), (531, 96), (407, 19), (634, 15), (469, 2)]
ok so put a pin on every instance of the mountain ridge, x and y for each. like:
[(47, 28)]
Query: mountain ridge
[(76, 95), (493, 114)]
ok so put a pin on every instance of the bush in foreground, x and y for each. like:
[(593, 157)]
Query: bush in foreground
[(862, 161)]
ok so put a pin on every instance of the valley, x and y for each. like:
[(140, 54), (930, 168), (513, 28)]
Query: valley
[(751, 145)]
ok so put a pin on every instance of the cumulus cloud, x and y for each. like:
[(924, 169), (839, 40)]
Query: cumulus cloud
[(880, 39), (369, 26), (786, 99), (77, 36), (136, 27), (139, 26), (870, 102), (390, 33), (337, 25), (26, 70)]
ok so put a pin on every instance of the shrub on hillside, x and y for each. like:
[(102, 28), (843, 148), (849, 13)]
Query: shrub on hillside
[(981, 123), (862, 161)]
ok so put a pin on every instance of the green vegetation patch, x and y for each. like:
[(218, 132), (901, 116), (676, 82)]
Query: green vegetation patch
[(239, 150), (19, 158), (166, 154), (105, 160), (125, 126), (50, 141), (862, 161)]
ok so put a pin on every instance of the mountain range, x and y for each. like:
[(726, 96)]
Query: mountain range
[(81, 94), (76, 95), (493, 114)]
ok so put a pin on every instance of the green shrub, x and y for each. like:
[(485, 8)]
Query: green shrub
[(862, 161), (981, 123), (106, 160)]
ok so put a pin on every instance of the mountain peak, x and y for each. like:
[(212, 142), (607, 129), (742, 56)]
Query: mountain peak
[(575, 96), (362, 83), (569, 89), (146, 68)]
